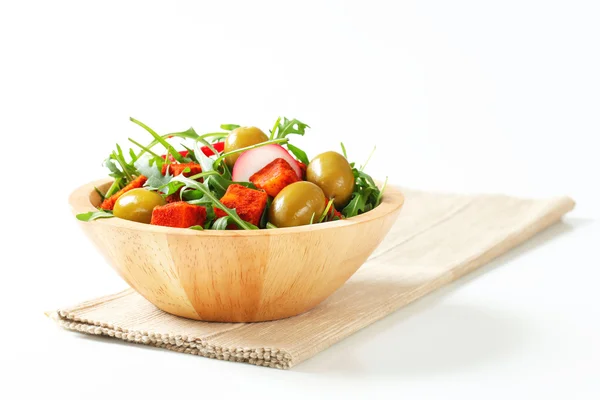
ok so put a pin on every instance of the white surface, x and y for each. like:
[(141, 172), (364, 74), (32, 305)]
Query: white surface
[(458, 96)]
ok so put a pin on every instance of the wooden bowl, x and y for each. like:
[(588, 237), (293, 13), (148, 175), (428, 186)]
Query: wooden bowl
[(236, 276)]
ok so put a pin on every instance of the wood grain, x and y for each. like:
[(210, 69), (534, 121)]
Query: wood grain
[(236, 276), (437, 239)]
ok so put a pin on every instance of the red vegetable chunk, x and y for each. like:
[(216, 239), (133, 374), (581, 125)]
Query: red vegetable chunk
[(179, 215), (219, 146), (109, 204), (274, 177), (248, 203), (302, 168), (177, 169)]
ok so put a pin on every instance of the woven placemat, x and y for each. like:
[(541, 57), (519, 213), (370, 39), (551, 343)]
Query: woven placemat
[(437, 239)]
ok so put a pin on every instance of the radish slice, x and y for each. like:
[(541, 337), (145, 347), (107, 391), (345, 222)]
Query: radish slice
[(252, 161)]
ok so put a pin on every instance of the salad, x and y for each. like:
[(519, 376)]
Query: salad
[(237, 178)]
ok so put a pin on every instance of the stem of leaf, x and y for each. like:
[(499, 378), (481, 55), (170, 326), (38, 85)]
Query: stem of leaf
[(214, 134), (326, 212), (123, 166), (114, 188), (368, 158), (160, 140), (380, 195), (146, 149), (275, 127), (344, 150)]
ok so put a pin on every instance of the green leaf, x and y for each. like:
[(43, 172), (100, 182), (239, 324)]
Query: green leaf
[(162, 141), (300, 154), (270, 226), (344, 150), (206, 163), (235, 218), (210, 216), (380, 194), (357, 204), (148, 167), (114, 188), (221, 224), (196, 227), (368, 158), (215, 135), (92, 215), (229, 127), (102, 195), (190, 133), (146, 149), (132, 155), (326, 211), (191, 154), (291, 127), (110, 164), (275, 128), (264, 218)]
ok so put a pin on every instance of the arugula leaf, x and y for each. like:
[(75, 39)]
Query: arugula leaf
[(264, 218), (368, 158), (149, 167), (170, 149), (326, 211), (380, 194), (300, 154), (102, 195), (275, 127), (114, 188), (290, 127), (196, 227), (92, 215), (235, 218), (146, 149), (344, 150), (215, 135), (190, 133), (357, 204), (191, 154), (221, 224), (229, 127), (115, 172), (210, 216), (132, 155)]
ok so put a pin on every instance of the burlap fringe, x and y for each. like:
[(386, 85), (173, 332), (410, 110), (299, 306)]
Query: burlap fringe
[(265, 357)]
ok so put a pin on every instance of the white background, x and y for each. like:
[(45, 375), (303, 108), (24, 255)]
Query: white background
[(462, 96)]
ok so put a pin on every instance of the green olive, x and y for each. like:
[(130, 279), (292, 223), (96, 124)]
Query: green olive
[(137, 205), (296, 204), (241, 137), (332, 173)]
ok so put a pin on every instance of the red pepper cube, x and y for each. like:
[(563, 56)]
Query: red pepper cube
[(274, 176), (179, 215), (176, 169), (333, 213), (109, 204), (303, 168), (248, 203)]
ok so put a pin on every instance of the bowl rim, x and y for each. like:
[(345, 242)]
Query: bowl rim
[(80, 202)]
